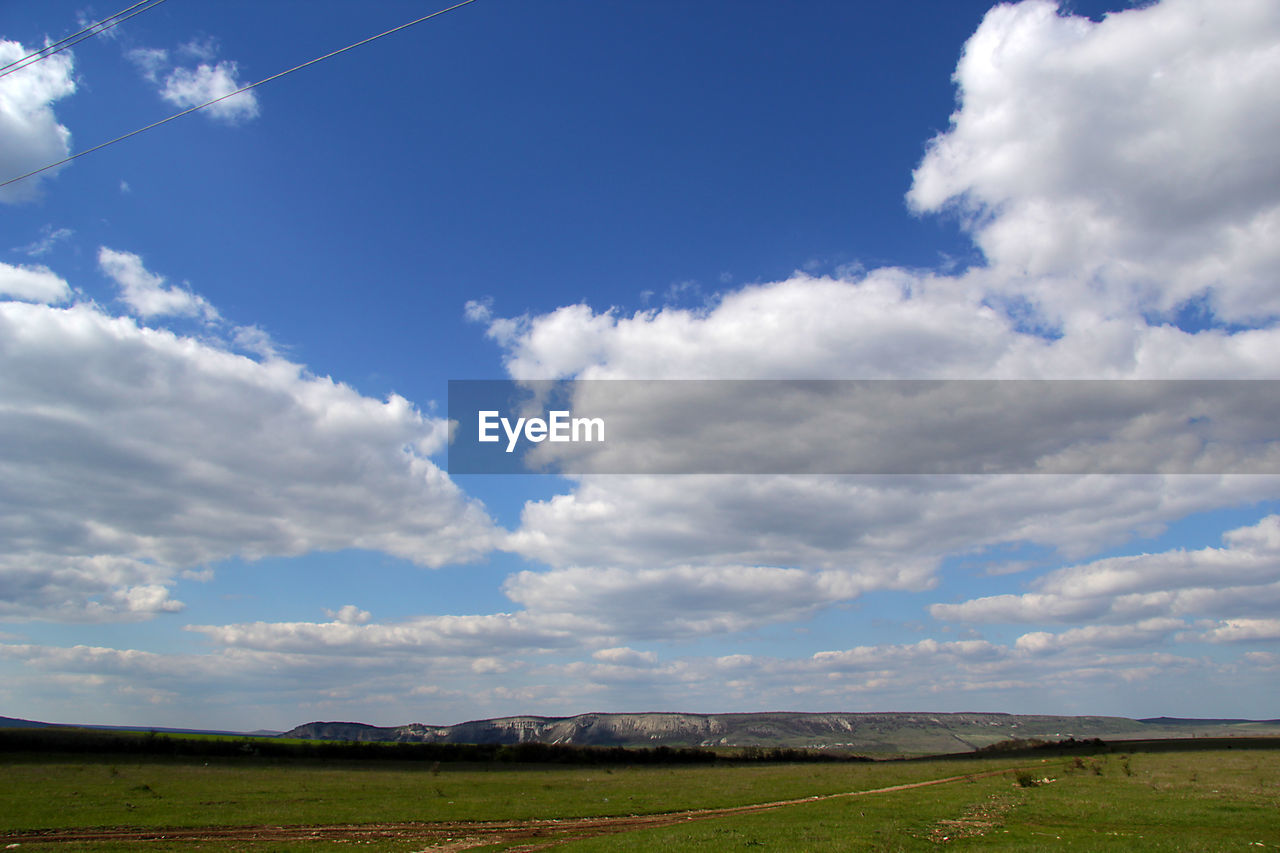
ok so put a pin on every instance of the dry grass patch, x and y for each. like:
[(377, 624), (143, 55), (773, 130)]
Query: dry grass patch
[(978, 819)]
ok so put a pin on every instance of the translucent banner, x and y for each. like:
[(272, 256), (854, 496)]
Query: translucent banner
[(864, 427)]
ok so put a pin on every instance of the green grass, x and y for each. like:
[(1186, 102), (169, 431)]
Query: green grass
[(1207, 801), (1168, 801), (39, 793)]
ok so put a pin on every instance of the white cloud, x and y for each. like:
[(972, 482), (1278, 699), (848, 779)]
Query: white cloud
[(30, 135), (890, 324), (201, 48), (1241, 579), (33, 284), (479, 310), (151, 61), (685, 601), (130, 454), (695, 555), (888, 657), (300, 684), (993, 426), (149, 296), (1109, 171), (649, 557), (624, 656), (881, 326), (469, 637), (1244, 630), (892, 529), (49, 237), (187, 87), (81, 588), (1146, 632), (1128, 159), (145, 293), (190, 87), (253, 339), (349, 614)]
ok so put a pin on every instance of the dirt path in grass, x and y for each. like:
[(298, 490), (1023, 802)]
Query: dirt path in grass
[(444, 836)]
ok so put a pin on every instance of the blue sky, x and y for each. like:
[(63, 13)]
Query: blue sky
[(226, 344)]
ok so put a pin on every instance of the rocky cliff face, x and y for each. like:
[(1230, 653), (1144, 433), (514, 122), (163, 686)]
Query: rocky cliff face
[(889, 732)]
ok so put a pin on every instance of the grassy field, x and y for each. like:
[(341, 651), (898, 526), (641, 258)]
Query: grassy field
[(1206, 800), (95, 792)]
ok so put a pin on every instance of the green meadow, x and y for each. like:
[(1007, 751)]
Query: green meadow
[(1197, 800)]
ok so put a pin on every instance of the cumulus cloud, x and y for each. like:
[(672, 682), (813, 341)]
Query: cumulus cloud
[(891, 528), (130, 454), (1127, 156), (349, 614), (1241, 579), (888, 657), (1110, 172), (949, 675), (1144, 633), (145, 293), (190, 87), (30, 134), (877, 327), (123, 683), (624, 656), (888, 324), (479, 310), (253, 339), (150, 61), (911, 427), (1244, 630), (683, 601), (33, 284), (469, 636), (697, 555), (187, 87), (79, 588)]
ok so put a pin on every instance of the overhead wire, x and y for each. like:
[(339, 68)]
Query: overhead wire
[(242, 89), (87, 33), (36, 53)]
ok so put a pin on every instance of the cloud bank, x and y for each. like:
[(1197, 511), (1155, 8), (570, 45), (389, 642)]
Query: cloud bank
[(1116, 175), (131, 453)]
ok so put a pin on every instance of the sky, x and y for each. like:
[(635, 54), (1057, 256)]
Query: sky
[(226, 344)]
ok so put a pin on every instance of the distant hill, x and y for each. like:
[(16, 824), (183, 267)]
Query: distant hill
[(883, 733), (15, 723), (1185, 721)]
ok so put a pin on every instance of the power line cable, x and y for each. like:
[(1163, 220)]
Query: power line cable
[(233, 94), (87, 33), (73, 35)]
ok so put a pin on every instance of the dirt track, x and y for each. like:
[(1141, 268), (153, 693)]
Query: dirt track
[(444, 836)]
